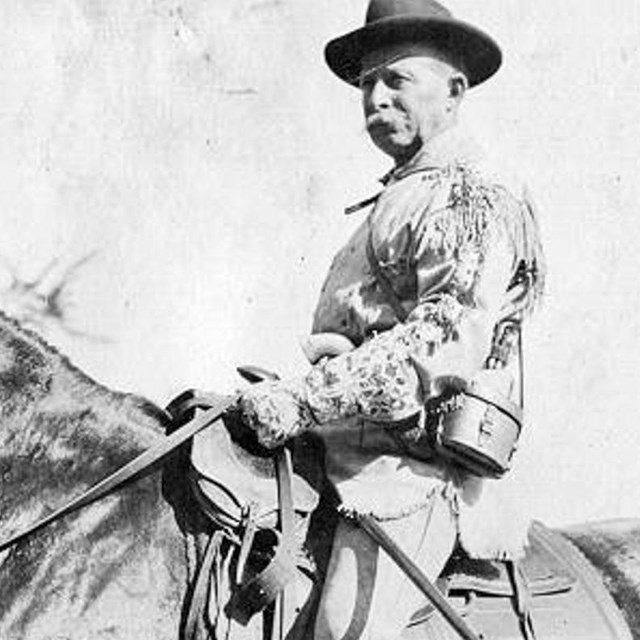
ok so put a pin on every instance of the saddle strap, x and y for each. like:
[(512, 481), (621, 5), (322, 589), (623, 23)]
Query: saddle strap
[(250, 528), (284, 473), (255, 594), (522, 599), (201, 590)]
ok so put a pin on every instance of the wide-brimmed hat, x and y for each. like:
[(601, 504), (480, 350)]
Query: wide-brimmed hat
[(416, 22)]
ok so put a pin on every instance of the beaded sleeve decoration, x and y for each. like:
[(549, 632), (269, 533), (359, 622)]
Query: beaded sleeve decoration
[(379, 379)]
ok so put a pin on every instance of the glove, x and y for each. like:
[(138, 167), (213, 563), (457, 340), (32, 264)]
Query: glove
[(276, 411)]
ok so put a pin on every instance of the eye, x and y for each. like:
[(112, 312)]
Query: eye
[(395, 79), (366, 83)]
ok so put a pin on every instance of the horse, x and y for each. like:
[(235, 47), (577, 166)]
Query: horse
[(119, 568), (612, 548)]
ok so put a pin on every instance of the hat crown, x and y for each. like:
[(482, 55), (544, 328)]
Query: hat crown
[(394, 22), (381, 9)]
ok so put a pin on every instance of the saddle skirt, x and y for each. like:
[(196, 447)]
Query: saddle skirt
[(230, 478), (250, 546), (565, 597)]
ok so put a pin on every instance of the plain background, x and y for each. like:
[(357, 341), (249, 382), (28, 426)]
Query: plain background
[(201, 154)]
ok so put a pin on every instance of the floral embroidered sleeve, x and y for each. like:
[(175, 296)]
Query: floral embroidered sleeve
[(464, 259)]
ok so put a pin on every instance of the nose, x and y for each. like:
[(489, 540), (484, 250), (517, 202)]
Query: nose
[(376, 95)]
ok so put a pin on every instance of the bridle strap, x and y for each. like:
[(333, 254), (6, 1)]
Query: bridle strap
[(138, 465)]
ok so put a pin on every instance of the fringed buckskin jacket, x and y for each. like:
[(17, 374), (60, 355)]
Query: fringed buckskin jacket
[(460, 249)]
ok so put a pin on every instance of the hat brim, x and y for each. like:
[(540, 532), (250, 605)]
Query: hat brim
[(468, 48)]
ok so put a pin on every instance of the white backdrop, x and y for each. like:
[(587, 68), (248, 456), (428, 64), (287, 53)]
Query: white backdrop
[(200, 154)]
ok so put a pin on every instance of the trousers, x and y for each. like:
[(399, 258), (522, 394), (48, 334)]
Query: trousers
[(366, 596)]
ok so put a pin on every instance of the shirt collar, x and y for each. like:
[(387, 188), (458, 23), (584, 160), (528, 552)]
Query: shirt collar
[(453, 146)]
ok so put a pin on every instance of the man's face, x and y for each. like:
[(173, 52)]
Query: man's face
[(406, 101)]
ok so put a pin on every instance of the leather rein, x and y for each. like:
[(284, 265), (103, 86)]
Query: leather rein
[(131, 470)]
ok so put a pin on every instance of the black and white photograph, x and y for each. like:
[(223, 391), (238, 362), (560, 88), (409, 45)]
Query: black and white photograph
[(319, 320)]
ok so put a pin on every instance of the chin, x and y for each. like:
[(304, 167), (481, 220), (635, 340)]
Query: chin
[(400, 153), (394, 149)]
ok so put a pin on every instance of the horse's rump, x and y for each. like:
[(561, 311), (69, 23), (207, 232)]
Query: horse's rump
[(613, 548), (564, 596)]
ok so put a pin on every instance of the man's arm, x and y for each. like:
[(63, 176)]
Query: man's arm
[(388, 378)]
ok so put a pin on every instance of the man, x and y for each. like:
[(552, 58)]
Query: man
[(446, 253)]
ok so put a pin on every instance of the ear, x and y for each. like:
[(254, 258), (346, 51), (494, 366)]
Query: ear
[(457, 87)]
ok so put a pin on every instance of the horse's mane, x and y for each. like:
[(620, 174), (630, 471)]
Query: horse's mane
[(60, 430), (113, 568), (31, 367)]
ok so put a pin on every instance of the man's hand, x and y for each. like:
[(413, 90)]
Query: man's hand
[(276, 411)]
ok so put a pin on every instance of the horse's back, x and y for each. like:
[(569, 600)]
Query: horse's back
[(566, 595), (613, 548)]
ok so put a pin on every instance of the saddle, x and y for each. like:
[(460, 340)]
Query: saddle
[(562, 594), (257, 504)]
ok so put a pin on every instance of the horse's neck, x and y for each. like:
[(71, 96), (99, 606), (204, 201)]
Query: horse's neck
[(113, 569), (60, 432)]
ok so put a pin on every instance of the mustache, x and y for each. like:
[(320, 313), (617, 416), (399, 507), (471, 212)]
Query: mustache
[(382, 119)]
